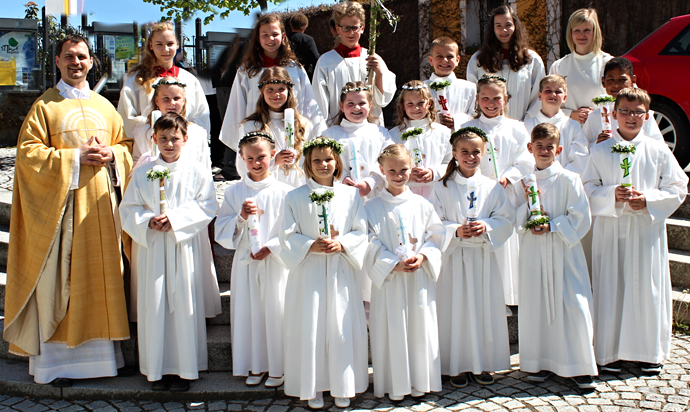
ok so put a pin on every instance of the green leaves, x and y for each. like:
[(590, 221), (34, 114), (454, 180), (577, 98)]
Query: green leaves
[(185, 9)]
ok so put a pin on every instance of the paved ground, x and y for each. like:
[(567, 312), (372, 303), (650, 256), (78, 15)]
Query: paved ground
[(629, 391)]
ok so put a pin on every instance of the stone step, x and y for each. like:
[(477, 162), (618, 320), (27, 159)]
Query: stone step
[(223, 318), (684, 209), (5, 206), (679, 262), (3, 282), (223, 262), (678, 233), (4, 243)]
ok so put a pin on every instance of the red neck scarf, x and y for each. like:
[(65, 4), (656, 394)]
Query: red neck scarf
[(173, 71), (345, 51), (267, 61)]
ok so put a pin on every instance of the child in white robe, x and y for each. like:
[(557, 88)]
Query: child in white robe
[(158, 61), (553, 91), (426, 140), (555, 321), (505, 53), (348, 62), (508, 163), (258, 278), (323, 244), (268, 46), (454, 98), (631, 280), (473, 331), (165, 228), (277, 95), (403, 261), (618, 74)]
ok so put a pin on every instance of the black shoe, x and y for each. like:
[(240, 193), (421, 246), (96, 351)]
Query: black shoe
[(178, 384), (61, 383), (459, 381), (161, 385), (584, 382), (126, 370), (613, 367), (484, 378), (650, 368), (539, 377)]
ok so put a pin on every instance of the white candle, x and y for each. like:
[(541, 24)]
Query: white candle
[(155, 115), (442, 101), (533, 196), (404, 249), (253, 221), (472, 199), (290, 127), (606, 112), (354, 161), (626, 169)]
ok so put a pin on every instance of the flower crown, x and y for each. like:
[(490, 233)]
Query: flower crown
[(479, 132), (439, 85), (168, 83), (492, 76), (411, 133), (276, 81), (347, 90), (322, 142), (255, 134), (408, 87)]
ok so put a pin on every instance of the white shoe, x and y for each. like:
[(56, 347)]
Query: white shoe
[(416, 394), (316, 403), (342, 402), (395, 398), (253, 380), (274, 382)]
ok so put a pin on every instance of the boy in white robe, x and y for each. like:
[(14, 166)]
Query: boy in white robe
[(555, 320), (165, 228), (553, 91), (478, 216), (454, 98), (631, 279), (348, 62), (404, 261)]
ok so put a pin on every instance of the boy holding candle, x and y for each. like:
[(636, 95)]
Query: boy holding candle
[(630, 270), (555, 316)]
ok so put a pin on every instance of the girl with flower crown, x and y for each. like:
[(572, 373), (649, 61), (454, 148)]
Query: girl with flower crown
[(323, 242), (268, 47), (249, 223), (158, 61), (277, 96), (426, 140), (506, 161)]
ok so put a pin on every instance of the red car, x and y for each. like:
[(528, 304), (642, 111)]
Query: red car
[(662, 65)]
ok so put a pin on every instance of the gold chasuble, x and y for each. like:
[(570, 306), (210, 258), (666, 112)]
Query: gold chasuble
[(64, 268)]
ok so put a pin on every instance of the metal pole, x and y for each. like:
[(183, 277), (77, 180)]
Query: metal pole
[(45, 49), (64, 22), (197, 51)]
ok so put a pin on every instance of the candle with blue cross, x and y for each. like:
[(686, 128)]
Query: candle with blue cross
[(404, 250), (472, 199)]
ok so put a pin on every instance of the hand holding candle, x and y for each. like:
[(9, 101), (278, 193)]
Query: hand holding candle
[(253, 222)]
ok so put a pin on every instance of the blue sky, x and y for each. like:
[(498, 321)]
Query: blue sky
[(126, 11)]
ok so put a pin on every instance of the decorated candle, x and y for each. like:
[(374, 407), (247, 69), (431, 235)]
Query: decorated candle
[(533, 197), (472, 210), (354, 161), (626, 167), (253, 222), (404, 250), (322, 198), (492, 157), (155, 115)]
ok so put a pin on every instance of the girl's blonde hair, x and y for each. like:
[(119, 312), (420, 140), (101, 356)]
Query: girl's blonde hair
[(168, 81), (488, 81), (587, 15), (395, 152), (309, 173), (464, 134), (350, 87), (415, 86), (252, 62), (258, 136), (262, 113), (146, 71)]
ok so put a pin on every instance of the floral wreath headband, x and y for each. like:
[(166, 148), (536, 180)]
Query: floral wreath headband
[(322, 142), (168, 83), (491, 76), (276, 81), (255, 134), (479, 132), (347, 90), (422, 86)]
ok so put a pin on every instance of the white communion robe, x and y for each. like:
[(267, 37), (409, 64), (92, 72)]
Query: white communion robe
[(523, 85), (332, 72), (171, 317), (461, 97), (258, 286), (555, 322), (434, 147), (592, 127), (631, 280), (403, 323), (135, 103), (513, 162), (575, 145), (583, 74), (473, 329), (245, 94), (325, 329), (295, 175)]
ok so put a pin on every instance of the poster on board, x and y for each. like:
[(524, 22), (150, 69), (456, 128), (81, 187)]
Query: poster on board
[(17, 58)]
